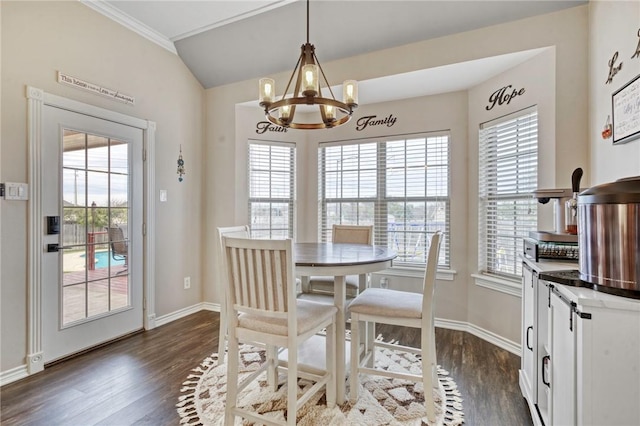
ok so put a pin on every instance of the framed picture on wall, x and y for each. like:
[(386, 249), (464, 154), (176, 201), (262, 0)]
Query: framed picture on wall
[(625, 103)]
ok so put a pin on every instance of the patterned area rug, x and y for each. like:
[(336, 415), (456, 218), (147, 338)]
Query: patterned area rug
[(382, 401)]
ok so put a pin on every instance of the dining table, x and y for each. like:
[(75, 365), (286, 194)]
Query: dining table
[(339, 260)]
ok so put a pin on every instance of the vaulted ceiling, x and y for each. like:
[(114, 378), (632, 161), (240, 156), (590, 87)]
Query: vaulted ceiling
[(227, 41)]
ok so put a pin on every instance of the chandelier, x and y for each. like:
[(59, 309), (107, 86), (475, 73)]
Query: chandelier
[(308, 91)]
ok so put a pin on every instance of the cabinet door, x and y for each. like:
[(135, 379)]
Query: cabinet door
[(528, 332), (562, 347), (542, 349)]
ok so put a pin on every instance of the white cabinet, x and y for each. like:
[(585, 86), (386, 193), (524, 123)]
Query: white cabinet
[(543, 352), (584, 368), (527, 371), (563, 328)]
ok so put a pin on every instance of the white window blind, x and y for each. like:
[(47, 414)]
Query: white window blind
[(400, 185), (508, 174), (271, 189)]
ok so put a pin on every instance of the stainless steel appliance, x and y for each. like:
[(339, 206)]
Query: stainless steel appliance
[(562, 242), (609, 235)]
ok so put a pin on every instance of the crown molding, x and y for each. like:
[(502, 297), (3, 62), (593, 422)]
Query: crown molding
[(232, 19), (131, 23)]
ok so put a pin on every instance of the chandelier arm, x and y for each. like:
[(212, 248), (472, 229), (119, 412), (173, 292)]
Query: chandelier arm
[(286, 90), (326, 82)]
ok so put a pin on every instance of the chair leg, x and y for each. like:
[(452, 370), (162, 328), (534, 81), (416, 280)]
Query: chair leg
[(355, 357), (331, 364), (232, 382), (292, 385), (222, 334), (272, 369), (371, 343), (432, 358), (304, 284), (427, 373), (363, 282)]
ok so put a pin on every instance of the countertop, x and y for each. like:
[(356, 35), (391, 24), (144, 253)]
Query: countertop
[(586, 298)]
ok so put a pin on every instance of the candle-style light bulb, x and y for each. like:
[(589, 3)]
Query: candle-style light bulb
[(267, 89), (310, 79), (330, 112), (350, 92), (285, 111)]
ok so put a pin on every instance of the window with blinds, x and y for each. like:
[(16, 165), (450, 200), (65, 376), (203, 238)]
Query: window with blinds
[(399, 185), (508, 174), (271, 189)]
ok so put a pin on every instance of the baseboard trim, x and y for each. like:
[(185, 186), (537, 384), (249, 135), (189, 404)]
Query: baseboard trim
[(13, 375), (21, 372), (180, 313), (208, 306), (480, 332)]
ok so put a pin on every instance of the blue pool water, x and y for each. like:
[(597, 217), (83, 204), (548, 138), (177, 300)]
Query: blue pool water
[(102, 259)]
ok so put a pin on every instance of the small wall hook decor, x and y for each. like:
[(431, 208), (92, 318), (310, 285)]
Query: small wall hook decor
[(181, 171), (606, 131)]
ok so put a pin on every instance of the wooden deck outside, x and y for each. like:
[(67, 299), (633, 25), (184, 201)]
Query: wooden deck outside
[(92, 292)]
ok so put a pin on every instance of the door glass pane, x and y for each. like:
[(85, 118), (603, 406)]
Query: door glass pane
[(98, 298), (95, 233), (73, 308)]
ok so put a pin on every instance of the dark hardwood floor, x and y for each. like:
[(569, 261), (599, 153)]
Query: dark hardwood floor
[(137, 380)]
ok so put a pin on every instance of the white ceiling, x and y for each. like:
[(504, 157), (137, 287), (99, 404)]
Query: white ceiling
[(227, 41)]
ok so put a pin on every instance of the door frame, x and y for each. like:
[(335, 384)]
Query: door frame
[(36, 99)]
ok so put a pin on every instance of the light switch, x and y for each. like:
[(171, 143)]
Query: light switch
[(163, 195), (16, 191)]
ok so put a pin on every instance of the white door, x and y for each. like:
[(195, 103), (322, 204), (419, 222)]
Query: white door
[(92, 287)]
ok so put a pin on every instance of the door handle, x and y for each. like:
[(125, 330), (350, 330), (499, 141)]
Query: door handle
[(55, 247), (545, 360)]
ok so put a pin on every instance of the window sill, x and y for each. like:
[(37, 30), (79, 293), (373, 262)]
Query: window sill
[(441, 274), (503, 285)]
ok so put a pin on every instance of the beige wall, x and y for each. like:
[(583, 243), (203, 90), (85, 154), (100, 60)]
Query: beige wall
[(537, 77), (614, 27), (565, 32), (41, 38)]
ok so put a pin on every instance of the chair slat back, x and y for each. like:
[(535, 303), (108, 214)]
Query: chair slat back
[(430, 272), (353, 234), (260, 275), (240, 231)]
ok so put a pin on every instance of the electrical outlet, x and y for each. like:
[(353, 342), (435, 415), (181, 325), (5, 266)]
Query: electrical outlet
[(187, 283)]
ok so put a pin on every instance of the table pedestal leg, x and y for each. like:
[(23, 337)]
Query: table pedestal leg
[(339, 299)]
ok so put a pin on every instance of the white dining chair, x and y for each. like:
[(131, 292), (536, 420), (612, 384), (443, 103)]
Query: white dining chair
[(352, 234), (262, 307), (241, 231), (385, 306)]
